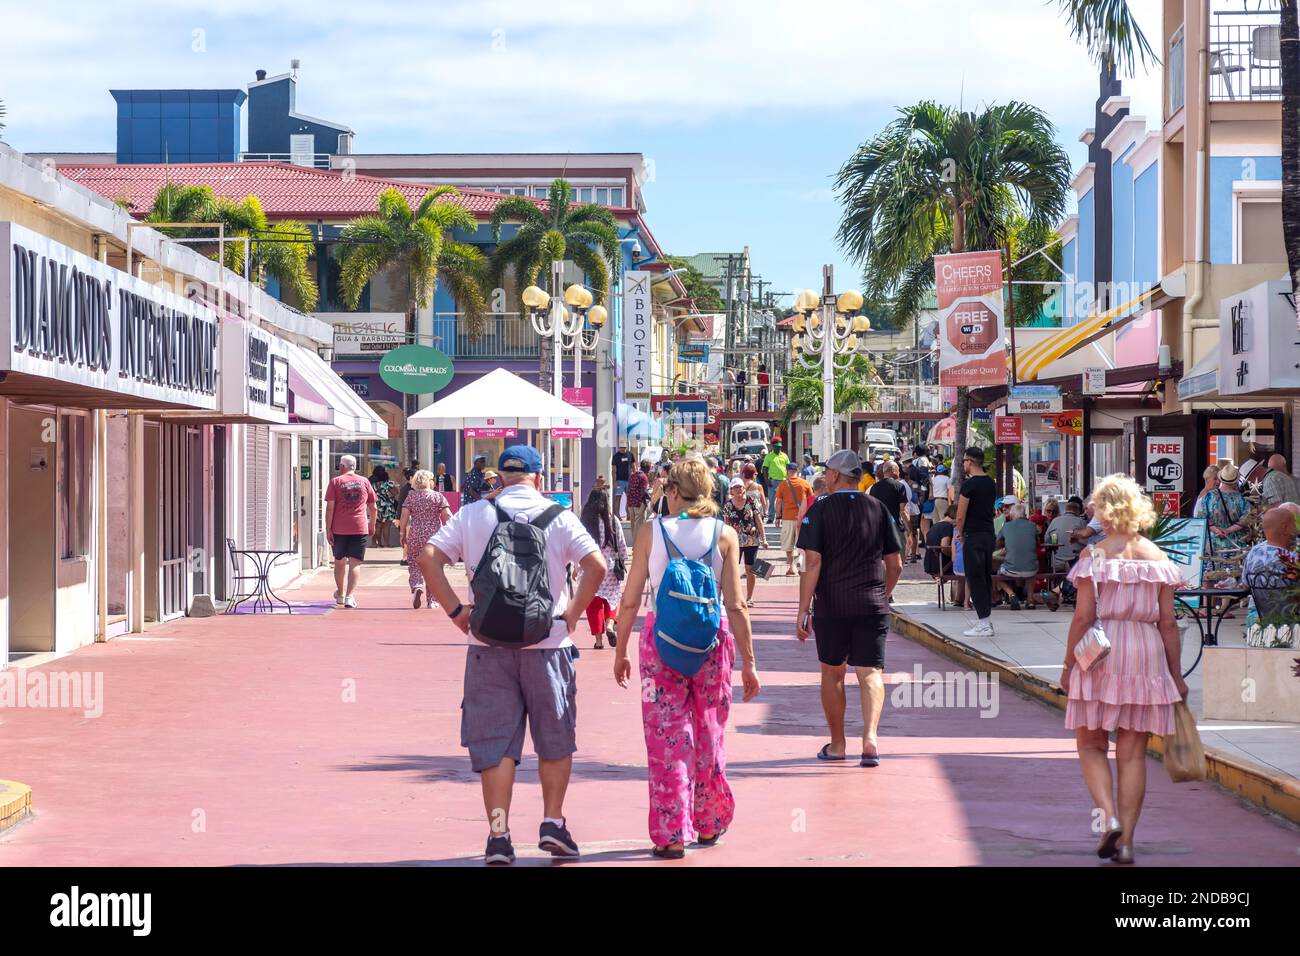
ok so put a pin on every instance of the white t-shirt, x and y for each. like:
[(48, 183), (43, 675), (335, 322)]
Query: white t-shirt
[(465, 537), (940, 486)]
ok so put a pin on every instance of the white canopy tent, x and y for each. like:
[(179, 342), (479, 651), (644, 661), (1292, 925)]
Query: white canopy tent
[(507, 400), (501, 399)]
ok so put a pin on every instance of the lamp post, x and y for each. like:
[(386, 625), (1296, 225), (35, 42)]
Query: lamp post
[(828, 340), (566, 331)]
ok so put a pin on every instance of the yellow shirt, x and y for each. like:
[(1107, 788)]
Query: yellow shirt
[(867, 481)]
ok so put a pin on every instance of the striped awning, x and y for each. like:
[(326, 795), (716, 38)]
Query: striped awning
[(1032, 361)]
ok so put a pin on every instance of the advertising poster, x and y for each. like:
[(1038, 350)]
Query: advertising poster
[(1047, 478), (1164, 463), (968, 286), (636, 334)]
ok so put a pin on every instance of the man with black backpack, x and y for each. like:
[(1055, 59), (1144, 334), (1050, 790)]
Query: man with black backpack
[(520, 664)]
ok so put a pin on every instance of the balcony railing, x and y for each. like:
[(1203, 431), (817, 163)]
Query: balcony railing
[(508, 335), (1245, 56), (314, 160)]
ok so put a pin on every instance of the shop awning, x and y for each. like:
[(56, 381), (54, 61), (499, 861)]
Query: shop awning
[(323, 404), (1034, 360), (1202, 380), (504, 398)]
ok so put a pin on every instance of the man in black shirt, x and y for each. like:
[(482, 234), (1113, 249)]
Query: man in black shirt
[(938, 548), (975, 524), (623, 462), (889, 491), (852, 562)]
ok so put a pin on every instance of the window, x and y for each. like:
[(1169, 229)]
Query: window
[(542, 192), (74, 487), (583, 194), (616, 196), (1261, 232), (602, 196)]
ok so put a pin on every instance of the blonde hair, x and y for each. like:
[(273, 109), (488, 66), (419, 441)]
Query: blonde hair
[(1211, 472), (422, 480), (1121, 506), (694, 484)]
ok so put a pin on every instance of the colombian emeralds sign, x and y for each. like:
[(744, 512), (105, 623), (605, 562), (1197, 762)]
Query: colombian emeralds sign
[(416, 369)]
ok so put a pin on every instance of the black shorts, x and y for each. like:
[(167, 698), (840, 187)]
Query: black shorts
[(857, 641), (749, 555), (350, 546)]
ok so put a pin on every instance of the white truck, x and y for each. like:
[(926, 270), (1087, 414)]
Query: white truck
[(750, 438)]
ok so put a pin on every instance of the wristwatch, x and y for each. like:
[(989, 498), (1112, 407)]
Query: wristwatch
[(452, 615)]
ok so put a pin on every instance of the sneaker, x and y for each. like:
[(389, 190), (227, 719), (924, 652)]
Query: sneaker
[(418, 598), (349, 601), (500, 851), (981, 629), (338, 598), (556, 840)]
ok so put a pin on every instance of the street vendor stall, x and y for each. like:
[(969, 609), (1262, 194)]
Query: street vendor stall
[(501, 404)]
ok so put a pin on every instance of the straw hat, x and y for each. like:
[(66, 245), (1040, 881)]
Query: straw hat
[(1228, 472)]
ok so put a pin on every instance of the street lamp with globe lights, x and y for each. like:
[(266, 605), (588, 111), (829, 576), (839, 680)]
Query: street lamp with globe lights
[(826, 336), (550, 319)]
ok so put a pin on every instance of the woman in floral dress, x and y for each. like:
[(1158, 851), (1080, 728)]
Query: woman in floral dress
[(424, 513), (1225, 509), (607, 533), (742, 515), (1127, 584), (385, 504)]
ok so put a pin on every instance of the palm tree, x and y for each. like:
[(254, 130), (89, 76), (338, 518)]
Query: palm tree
[(420, 242), (938, 179), (587, 235), (281, 250), (803, 391)]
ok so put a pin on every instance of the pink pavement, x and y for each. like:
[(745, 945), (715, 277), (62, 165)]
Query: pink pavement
[(232, 740)]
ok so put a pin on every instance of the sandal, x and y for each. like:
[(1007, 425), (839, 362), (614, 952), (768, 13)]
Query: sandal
[(825, 754), (669, 853), (598, 646), (711, 841), (870, 760)]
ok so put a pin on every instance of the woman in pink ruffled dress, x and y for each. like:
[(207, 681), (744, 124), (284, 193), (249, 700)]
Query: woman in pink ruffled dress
[(1131, 691)]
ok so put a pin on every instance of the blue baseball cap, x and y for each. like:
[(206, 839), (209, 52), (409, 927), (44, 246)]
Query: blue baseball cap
[(523, 458)]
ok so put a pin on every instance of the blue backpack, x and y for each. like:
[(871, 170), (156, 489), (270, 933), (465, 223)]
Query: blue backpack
[(688, 611)]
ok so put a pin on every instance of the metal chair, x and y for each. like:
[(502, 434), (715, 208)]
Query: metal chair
[(1266, 61), (237, 576)]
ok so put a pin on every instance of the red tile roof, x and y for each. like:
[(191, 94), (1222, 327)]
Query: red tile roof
[(286, 191)]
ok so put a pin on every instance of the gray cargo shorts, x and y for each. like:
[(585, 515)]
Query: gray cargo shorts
[(503, 687)]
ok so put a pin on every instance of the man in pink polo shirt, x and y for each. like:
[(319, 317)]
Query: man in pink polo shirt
[(350, 513)]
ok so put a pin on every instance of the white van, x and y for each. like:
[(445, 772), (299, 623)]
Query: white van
[(749, 438)]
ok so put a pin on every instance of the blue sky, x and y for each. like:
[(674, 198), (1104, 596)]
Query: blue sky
[(746, 109)]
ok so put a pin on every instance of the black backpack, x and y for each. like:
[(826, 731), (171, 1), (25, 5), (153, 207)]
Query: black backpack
[(511, 585), (919, 477)]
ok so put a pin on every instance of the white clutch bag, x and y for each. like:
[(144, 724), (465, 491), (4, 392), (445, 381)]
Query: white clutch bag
[(1094, 645)]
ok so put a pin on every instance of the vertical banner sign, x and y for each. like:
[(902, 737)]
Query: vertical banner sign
[(968, 286), (636, 334)]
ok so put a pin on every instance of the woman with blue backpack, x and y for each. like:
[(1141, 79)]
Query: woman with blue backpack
[(686, 651)]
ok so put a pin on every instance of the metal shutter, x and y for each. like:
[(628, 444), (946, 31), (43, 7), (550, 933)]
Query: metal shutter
[(257, 471)]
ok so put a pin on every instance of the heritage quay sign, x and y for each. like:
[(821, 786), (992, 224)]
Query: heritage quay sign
[(70, 317)]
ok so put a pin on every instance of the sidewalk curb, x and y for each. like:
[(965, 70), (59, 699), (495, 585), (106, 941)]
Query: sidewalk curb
[(1268, 789), (15, 803)]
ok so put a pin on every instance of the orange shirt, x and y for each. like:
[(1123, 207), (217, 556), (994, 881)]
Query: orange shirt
[(789, 500)]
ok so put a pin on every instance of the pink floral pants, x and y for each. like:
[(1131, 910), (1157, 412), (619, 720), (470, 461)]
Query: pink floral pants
[(685, 719)]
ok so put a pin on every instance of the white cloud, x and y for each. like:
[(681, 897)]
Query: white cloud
[(401, 73)]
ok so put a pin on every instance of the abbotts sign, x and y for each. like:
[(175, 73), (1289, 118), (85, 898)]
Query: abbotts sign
[(416, 369)]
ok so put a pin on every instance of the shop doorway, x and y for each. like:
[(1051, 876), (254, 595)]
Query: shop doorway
[(219, 513), (166, 521), (118, 519), (32, 586)]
